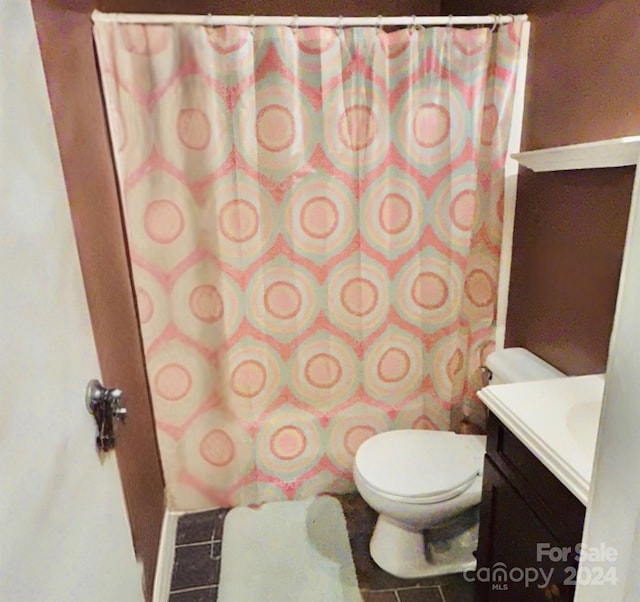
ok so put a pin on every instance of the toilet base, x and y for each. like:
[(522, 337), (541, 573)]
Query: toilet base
[(410, 554)]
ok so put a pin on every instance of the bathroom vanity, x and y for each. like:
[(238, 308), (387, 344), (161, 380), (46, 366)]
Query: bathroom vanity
[(541, 446), (537, 471), (523, 506)]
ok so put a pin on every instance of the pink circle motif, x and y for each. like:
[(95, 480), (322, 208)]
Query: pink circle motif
[(163, 221), (394, 214), (489, 124), (500, 208), (119, 130), (323, 371), (238, 220), (282, 300), (145, 305), (206, 303), (145, 39), (172, 382), (514, 32), (319, 217), (394, 365), (231, 40), (422, 422), (462, 210), (194, 129), (358, 127), (359, 296), (288, 442), (394, 45), (315, 40), (356, 436), (217, 448), (468, 42), (248, 378), (429, 290), (431, 125), (480, 288), (275, 128), (455, 364)]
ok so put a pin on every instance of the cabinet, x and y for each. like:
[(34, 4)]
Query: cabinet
[(530, 525)]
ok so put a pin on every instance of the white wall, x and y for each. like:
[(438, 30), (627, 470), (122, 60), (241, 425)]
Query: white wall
[(64, 534)]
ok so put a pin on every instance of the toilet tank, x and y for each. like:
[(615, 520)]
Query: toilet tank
[(517, 364)]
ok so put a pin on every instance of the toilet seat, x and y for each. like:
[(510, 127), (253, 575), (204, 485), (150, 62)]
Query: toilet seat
[(407, 465)]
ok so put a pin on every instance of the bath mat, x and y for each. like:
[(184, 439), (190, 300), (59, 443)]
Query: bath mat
[(288, 552)]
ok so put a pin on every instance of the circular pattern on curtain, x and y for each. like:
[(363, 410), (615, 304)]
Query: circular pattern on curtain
[(314, 222)]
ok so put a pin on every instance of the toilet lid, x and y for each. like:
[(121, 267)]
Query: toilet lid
[(419, 464)]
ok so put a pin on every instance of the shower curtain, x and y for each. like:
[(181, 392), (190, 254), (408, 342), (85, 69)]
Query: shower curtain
[(314, 225)]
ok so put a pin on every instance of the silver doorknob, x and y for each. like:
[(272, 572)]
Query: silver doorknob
[(104, 405)]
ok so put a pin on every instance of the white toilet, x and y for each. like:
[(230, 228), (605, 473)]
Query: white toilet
[(426, 485)]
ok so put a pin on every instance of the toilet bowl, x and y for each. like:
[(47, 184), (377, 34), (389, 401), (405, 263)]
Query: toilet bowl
[(426, 486), (400, 475)]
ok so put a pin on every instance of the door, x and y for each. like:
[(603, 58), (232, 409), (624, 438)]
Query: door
[(67, 51), (65, 534)]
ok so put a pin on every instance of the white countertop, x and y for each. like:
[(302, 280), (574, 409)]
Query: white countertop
[(558, 422)]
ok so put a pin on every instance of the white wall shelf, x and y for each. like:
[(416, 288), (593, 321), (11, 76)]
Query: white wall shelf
[(616, 152)]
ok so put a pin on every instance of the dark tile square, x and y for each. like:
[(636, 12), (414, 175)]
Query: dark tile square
[(207, 594), (194, 567), (199, 527), (456, 588), (420, 594), (216, 548), (387, 596)]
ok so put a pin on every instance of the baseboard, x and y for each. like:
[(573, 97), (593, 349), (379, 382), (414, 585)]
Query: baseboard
[(166, 551)]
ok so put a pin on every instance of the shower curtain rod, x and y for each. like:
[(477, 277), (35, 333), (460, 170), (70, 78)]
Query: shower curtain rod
[(295, 21)]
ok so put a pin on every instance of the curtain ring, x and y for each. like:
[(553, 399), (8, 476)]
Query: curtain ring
[(379, 23), (252, 25), (496, 22), (340, 27), (295, 23), (413, 27), (208, 20), (450, 22)]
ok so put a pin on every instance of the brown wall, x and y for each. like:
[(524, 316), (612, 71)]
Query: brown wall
[(330, 8), (568, 241), (583, 84), (64, 32)]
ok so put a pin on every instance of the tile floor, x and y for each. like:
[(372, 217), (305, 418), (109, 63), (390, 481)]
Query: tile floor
[(196, 567)]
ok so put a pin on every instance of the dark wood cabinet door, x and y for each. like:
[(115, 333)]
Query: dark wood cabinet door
[(511, 564)]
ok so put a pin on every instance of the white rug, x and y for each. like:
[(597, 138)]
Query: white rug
[(288, 552)]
